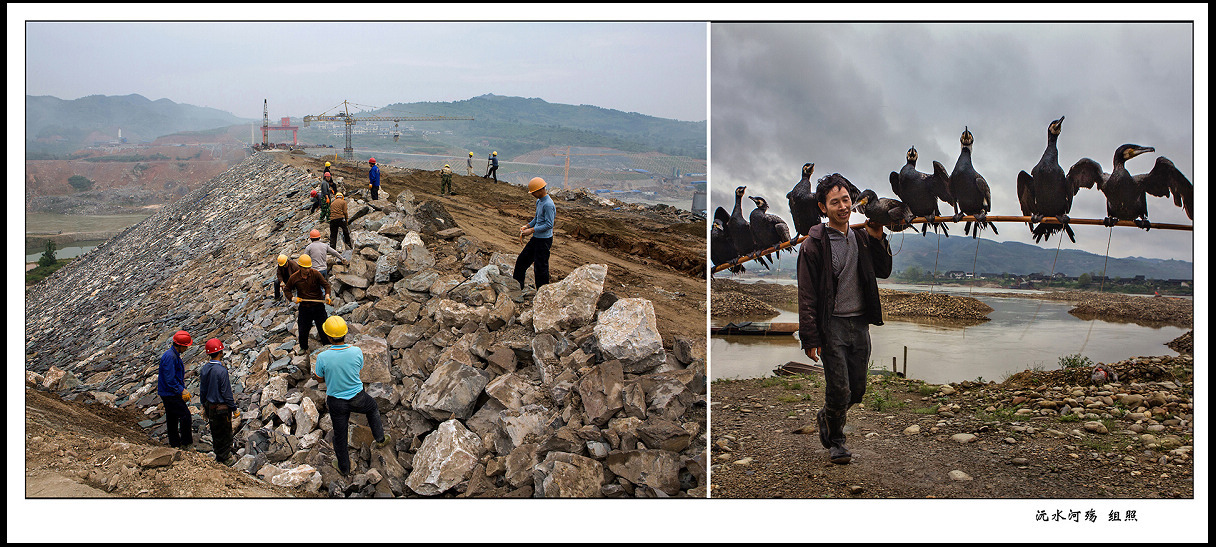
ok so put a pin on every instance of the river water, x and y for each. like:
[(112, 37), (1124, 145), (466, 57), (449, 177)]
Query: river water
[(1023, 333)]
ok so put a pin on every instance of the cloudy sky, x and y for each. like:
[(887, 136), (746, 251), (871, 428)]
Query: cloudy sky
[(657, 69), (852, 98)]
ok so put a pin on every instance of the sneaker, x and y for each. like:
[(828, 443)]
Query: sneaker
[(387, 439), (839, 454), (821, 420)]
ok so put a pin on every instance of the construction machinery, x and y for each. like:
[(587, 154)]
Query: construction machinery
[(345, 116)]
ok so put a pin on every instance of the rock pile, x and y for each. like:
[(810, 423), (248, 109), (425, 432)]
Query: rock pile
[(1183, 344), (487, 391), (1173, 311), (728, 304), (938, 305)]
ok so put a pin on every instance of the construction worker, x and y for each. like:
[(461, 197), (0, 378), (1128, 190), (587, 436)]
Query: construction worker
[(310, 288), (283, 273), (171, 386), (326, 167), (327, 192), (470, 160), (493, 167), (373, 177), (536, 252), (215, 392), (337, 220), (317, 250), (316, 201), (445, 177), (339, 367)]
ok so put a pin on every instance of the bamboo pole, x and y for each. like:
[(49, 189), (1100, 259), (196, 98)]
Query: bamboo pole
[(918, 220)]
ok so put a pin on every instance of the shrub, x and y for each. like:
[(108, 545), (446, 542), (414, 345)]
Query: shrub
[(80, 183), (1074, 361), (48, 257)]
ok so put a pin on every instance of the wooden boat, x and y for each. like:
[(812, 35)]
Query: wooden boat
[(755, 328), (793, 367)]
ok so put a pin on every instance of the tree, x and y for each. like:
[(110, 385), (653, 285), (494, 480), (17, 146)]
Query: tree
[(80, 183), (48, 257), (1085, 280), (914, 273)]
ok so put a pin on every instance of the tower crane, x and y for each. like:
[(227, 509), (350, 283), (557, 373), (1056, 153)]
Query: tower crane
[(567, 154), (349, 120)]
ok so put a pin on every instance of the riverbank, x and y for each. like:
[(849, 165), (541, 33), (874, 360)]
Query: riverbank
[(1039, 434)]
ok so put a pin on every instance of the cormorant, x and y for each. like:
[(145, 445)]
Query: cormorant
[(920, 191), (803, 209), (721, 248), (1046, 191), (970, 190), (886, 211), (767, 230), (1125, 193), (739, 230)]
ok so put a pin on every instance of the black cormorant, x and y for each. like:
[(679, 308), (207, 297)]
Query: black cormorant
[(920, 191), (1125, 193), (740, 230), (891, 213), (721, 248), (803, 209), (1047, 192), (970, 190), (767, 230)]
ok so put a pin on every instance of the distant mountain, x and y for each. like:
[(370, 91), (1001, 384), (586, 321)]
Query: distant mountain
[(515, 125), (1008, 257), (56, 126)]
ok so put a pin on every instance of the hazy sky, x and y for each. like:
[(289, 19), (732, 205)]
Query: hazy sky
[(852, 98), (657, 69)]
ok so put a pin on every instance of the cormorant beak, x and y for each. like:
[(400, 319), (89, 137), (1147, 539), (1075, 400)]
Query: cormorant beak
[(1139, 150), (755, 200), (860, 202)]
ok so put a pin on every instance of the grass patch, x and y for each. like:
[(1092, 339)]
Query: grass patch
[(1070, 418), (42, 272), (998, 415), (773, 381), (927, 389), (1075, 361), (788, 398), (880, 400), (1099, 443), (926, 410)]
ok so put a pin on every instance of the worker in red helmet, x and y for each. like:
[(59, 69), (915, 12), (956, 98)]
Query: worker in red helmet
[(373, 176), (215, 392), (316, 201), (171, 386)]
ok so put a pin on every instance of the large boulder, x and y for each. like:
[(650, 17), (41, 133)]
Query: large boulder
[(414, 256), (451, 391), (445, 459), (528, 424), (627, 331), (377, 361), (657, 469), (569, 303), (601, 390), (434, 217)]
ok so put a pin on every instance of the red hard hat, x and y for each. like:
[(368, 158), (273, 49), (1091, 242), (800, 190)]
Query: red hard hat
[(373, 160), (182, 338), (213, 345), (314, 193), (314, 233)]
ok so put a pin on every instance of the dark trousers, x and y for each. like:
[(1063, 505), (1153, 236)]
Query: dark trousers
[(177, 417), (375, 192), (220, 422), (493, 173), (846, 360), (445, 184), (535, 253), (311, 313), (339, 411), (334, 226)]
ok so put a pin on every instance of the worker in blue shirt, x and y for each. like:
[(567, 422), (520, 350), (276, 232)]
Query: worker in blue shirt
[(373, 177), (339, 367), (493, 167), (536, 252), (215, 392), (171, 386)]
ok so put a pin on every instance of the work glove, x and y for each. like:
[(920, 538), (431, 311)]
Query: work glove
[(185, 395), (296, 300), (236, 415), (329, 301)]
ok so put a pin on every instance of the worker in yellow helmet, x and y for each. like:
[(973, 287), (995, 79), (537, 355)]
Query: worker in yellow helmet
[(536, 252), (339, 367), (445, 176), (470, 160), (283, 273), (312, 293), (493, 167)]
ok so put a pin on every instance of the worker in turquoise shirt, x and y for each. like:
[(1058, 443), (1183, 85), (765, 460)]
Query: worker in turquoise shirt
[(339, 368), (536, 252)]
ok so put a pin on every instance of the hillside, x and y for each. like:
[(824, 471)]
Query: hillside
[(540, 388), (56, 126)]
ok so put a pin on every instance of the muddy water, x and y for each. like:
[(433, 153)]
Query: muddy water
[(50, 223), (1023, 333)]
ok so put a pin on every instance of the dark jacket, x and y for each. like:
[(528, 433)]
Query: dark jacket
[(284, 273), (817, 282), (171, 379), (309, 284), (214, 385)]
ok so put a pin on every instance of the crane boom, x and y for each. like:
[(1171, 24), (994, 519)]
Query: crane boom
[(349, 120)]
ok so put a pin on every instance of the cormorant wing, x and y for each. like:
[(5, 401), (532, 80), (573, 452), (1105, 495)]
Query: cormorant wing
[(1164, 180), (721, 215), (982, 186), (854, 193), (1026, 192), (940, 184), (895, 184), (1084, 174)]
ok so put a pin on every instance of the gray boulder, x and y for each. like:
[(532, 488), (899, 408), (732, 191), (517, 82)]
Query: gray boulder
[(569, 303), (445, 459), (451, 391), (564, 475), (627, 331)]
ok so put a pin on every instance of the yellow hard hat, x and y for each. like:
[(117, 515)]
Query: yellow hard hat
[(496, 153), (304, 261), (446, 165), (338, 195), (327, 164), (535, 184), (335, 326), (282, 260), (470, 153)]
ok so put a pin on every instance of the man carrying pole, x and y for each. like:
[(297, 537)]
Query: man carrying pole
[(837, 301), (312, 293)]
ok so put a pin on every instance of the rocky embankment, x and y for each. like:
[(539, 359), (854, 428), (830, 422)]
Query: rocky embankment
[(732, 299), (936, 305), (1039, 434), (487, 391), (1123, 307)]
